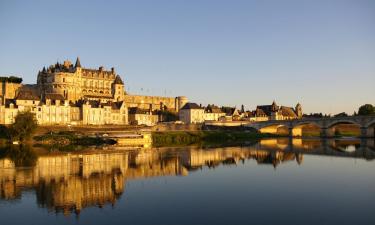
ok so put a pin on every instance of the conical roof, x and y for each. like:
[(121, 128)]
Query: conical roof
[(78, 63), (118, 80)]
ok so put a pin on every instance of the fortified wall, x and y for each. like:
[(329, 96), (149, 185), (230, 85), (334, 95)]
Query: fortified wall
[(8, 90), (155, 102)]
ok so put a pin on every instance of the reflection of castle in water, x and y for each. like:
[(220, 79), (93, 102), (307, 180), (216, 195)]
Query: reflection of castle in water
[(70, 182)]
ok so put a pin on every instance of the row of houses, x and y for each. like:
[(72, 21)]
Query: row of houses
[(54, 109), (192, 113)]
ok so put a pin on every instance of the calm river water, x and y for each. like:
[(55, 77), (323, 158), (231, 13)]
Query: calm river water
[(276, 181)]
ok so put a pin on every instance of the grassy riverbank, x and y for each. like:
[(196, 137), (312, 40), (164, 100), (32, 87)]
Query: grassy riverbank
[(65, 140), (179, 138)]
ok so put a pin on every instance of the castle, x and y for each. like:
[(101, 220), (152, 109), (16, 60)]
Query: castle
[(70, 94)]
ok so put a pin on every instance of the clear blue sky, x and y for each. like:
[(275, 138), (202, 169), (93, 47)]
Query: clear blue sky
[(320, 53)]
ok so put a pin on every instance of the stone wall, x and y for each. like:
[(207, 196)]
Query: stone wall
[(9, 90), (155, 102)]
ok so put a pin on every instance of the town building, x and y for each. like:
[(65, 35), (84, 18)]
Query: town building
[(213, 113), (275, 112), (138, 116), (192, 113)]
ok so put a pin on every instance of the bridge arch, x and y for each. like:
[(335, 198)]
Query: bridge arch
[(275, 128), (306, 128), (343, 127)]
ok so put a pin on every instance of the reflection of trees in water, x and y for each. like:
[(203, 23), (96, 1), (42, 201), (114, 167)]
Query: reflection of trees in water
[(21, 155)]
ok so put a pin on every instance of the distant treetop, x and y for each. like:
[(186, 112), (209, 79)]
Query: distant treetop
[(366, 110), (11, 79)]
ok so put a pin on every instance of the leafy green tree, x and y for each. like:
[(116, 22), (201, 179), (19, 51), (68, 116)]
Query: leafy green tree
[(24, 126), (366, 110)]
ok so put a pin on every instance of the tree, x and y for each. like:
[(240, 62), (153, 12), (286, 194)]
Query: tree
[(24, 126), (366, 110)]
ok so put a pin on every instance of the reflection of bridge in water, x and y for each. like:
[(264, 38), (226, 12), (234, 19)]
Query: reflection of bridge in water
[(70, 182)]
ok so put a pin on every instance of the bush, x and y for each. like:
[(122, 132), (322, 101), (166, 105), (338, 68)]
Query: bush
[(24, 126), (11, 79)]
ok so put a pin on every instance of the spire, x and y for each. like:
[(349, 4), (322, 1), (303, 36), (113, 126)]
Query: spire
[(274, 106), (118, 80), (78, 63)]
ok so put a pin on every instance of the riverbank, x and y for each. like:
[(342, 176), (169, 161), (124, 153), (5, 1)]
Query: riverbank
[(68, 140), (180, 138)]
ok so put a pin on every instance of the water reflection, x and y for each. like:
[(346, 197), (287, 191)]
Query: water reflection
[(70, 182)]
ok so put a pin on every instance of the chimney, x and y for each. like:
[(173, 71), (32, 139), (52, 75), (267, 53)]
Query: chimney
[(113, 70)]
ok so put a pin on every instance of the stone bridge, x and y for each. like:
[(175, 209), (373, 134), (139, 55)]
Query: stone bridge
[(326, 125)]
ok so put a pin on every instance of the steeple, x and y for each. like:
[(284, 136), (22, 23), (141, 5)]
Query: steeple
[(78, 63), (274, 106)]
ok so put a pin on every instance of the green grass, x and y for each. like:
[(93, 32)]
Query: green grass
[(180, 138), (69, 141)]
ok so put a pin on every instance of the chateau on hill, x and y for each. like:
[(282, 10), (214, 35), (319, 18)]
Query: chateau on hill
[(70, 94)]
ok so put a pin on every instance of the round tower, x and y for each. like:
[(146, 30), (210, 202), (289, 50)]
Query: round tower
[(180, 102)]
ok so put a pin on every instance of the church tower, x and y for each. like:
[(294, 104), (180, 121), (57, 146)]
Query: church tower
[(298, 110)]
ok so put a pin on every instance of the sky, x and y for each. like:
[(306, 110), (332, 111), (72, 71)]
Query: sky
[(320, 53)]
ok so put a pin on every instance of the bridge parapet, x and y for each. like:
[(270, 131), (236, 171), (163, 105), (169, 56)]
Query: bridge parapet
[(365, 123)]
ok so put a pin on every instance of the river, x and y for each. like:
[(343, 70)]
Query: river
[(274, 181)]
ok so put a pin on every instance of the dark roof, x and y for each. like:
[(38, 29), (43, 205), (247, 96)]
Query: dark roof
[(259, 112), (269, 109), (118, 80), (93, 103), (191, 105), (10, 101), (213, 109), (136, 110), (266, 109), (113, 105), (97, 96), (27, 95), (78, 63), (287, 111), (229, 111), (54, 96), (116, 105)]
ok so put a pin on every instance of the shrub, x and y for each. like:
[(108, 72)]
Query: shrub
[(24, 126)]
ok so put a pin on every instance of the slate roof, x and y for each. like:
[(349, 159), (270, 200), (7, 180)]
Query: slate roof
[(259, 113), (78, 63), (117, 105), (27, 95), (136, 110), (213, 109), (54, 96), (229, 111), (191, 105), (118, 80), (287, 111)]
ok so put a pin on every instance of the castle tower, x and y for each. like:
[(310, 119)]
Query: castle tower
[(180, 101), (118, 89)]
